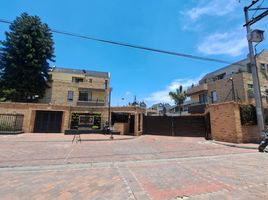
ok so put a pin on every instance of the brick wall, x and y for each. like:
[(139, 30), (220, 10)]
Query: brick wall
[(226, 124), (123, 128), (250, 134), (29, 111)]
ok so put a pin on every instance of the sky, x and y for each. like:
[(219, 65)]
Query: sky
[(211, 29)]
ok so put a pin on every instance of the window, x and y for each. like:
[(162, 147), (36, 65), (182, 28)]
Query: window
[(221, 76), (85, 96), (250, 91), (213, 96), (250, 86), (70, 96), (77, 79), (249, 68), (106, 84), (202, 98), (90, 80), (263, 67)]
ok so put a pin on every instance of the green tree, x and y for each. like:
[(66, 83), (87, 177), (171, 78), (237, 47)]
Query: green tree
[(24, 59), (178, 97)]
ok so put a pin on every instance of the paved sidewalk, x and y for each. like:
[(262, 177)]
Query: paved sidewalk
[(146, 167), (241, 145)]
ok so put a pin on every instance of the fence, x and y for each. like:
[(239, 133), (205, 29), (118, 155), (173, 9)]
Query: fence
[(192, 126), (11, 123)]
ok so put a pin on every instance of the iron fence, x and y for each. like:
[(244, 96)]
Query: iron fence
[(11, 123)]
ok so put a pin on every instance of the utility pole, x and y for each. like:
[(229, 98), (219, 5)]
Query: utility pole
[(256, 83)]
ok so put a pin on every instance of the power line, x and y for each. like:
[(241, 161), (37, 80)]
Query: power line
[(134, 46)]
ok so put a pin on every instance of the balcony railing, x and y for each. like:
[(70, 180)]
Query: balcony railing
[(197, 88), (11, 123), (90, 103), (197, 108), (95, 85)]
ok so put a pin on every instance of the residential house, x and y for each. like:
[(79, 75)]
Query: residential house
[(233, 82), (175, 109), (75, 87), (158, 109), (75, 99)]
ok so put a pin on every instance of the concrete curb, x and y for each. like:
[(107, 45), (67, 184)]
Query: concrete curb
[(234, 145)]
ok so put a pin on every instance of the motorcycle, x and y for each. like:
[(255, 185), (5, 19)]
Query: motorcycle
[(264, 141)]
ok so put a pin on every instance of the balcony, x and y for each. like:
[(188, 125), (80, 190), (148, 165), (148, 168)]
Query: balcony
[(90, 103), (197, 89), (88, 85), (197, 108)]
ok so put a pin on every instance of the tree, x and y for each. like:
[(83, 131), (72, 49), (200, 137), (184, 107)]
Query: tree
[(24, 59), (179, 97)]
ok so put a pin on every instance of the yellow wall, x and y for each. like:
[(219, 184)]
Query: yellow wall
[(195, 98), (59, 76), (98, 95)]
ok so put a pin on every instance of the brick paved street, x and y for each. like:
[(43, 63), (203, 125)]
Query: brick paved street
[(49, 166)]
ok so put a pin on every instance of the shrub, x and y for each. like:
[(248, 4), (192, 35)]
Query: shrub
[(248, 114), (5, 127)]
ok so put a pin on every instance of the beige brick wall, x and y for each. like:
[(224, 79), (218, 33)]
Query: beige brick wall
[(123, 128), (29, 110), (251, 133), (226, 124), (62, 83), (223, 89), (241, 80)]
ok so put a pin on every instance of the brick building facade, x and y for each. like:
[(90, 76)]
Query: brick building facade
[(76, 98), (233, 82)]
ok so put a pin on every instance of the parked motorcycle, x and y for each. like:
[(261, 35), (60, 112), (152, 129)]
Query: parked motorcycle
[(264, 141)]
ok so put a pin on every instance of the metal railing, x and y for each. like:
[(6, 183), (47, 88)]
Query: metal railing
[(11, 123)]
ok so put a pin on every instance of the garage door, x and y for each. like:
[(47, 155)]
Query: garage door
[(48, 121)]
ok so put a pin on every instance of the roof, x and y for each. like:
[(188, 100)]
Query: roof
[(81, 71)]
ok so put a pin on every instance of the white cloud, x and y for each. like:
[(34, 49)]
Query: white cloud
[(162, 95), (212, 8), (128, 93), (228, 43)]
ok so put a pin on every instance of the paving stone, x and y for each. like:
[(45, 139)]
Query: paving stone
[(40, 166)]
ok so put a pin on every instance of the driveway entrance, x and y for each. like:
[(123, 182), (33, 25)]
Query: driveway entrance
[(48, 121), (193, 126)]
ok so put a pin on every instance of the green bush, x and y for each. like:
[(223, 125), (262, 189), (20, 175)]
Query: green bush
[(95, 127), (248, 114), (5, 127)]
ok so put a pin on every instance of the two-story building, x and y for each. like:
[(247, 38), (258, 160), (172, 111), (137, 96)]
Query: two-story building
[(233, 82)]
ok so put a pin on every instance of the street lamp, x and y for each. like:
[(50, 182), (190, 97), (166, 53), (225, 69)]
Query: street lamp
[(109, 114), (233, 91)]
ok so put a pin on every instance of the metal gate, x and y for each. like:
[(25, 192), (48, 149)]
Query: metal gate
[(192, 126), (48, 121)]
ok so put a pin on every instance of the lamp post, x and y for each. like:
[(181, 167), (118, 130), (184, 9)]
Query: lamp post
[(233, 91), (109, 114)]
